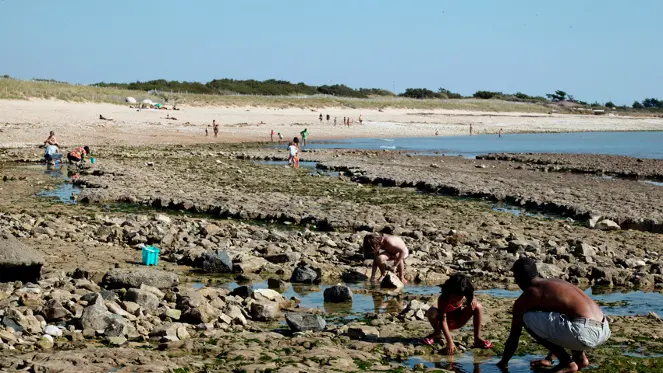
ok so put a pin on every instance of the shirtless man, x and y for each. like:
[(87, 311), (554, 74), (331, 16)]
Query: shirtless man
[(215, 127), (558, 315), (386, 248), (51, 140)]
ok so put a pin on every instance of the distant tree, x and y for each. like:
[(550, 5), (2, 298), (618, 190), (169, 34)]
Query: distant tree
[(609, 104), (445, 93), (558, 96), (486, 94), (637, 105), (419, 93), (652, 103), (6, 76)]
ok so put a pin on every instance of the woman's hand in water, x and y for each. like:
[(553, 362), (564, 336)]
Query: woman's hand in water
[(451, 349)]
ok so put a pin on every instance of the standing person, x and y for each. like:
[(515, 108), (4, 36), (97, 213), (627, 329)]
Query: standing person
[(280, 138), (320, 118), (304, 134), (455, 307), (78, 154), (437, 132), (349, 121), (335, 121), (215, 127), (292, 153), (500, 132), (51, 139), (207, 131), (386, 248), (558, 315), (361, 119), (295, 142), (470, 129), (328, 118), (344, 121), (271, 136)]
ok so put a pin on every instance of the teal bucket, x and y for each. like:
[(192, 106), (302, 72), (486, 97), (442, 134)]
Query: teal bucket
[(151, 255), (93, 160)]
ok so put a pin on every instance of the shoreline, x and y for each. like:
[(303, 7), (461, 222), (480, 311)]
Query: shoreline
[(25, 123)]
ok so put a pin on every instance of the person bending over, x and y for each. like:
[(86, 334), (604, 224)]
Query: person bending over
[(385, 248), (78, 154), (558, 315)]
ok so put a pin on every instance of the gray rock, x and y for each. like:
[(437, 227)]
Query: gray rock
[(54, 310), (204, 313), (116, 341), (338, 294), (18, 262), (135, 277), (53, 331), (283, 258), (584, 250), (242, 291), (144, 298), (301, 322), (305, 274), (173, 314), (168, 330), (96, 316), (364, 332), (236, 315), (215, 262), (391, 281), (278, 285), (264, 311), (607, 225)]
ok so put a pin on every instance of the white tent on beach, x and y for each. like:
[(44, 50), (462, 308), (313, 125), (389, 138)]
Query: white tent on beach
[(130, 100), (148, 101)]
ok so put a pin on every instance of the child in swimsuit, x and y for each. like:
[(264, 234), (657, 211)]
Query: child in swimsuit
[(455, 307)]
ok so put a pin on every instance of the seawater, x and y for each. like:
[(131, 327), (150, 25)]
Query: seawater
[(633, 144)]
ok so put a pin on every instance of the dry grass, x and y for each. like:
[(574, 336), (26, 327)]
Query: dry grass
[(18, 89)]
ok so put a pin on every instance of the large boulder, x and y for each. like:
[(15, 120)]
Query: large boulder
[(135, 277), (302, 322), (54, 310), (305, 274), (143, 298), (607, 225), (265, 311), (96, 316), (338, 294), (18, 262), (364, 332), (215, 262)]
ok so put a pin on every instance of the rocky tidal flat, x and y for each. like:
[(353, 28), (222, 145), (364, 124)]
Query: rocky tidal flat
[(250, 254)]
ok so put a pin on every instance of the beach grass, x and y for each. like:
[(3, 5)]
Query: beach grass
[(22, 90)]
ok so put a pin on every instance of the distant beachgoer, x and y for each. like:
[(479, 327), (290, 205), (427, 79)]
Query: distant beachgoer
[(51, 139), (280, 138), (328, 117), (470, 130), (304, 134), (271, 136), (344, 121), (335, 118), (500, 132), (295, 142), (320, 117), (384, 248), (51, 154), (437, 133), (78, 154), (361, 119), (292, 153), (103, 118), (215, 127), (349, 121), (558, 315), (207, 130), (455, 307)]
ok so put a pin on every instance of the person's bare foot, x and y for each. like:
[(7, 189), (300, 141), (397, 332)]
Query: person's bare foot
[(542, 363), (571, 367), (582, 362)]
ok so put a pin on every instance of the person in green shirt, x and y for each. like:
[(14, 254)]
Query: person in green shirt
[(304, 134)]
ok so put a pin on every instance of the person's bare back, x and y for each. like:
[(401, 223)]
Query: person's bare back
[(555, 295)]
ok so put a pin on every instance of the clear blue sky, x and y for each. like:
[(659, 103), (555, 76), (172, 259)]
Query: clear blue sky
[(594, 49)]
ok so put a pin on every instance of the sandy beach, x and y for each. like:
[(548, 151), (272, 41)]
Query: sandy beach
[(26, 122)]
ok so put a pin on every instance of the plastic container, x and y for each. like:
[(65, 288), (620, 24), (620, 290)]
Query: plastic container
[(93, 160), (151, 255)]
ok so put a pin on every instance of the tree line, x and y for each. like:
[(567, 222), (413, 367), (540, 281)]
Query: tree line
[(271, 87)]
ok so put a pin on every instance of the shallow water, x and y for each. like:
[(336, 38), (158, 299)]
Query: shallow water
[(520, 211), (307, 165), (614, 303), (312, 296), (468, 363), (65, 192), (634, 144)]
